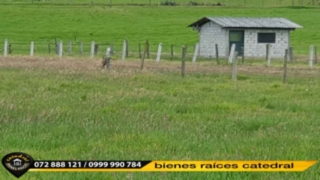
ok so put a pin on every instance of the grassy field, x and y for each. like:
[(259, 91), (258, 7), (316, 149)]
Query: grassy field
[(105, 25), (256, 3), (69, 109)]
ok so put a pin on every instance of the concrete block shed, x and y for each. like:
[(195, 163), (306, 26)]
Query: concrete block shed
[(250, 35)]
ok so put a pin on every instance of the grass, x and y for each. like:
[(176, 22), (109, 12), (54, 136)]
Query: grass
[(69, 109), (254, 3), (81, 113), (105, 25)]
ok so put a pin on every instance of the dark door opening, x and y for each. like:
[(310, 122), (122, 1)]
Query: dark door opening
[(236, 37)]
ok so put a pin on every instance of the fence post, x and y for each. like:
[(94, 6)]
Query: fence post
[(5, 48), (311, 56), (70, 48), (127, 49), (60, 49), (285, 66), (10, 49), (144, 55), (232, 53), (195, 54), (159, 52), (242, 57), (92, 49), (291, 54), (56, 46), (49, 47), (267, 51), (315, 54), (217, 53), (234, 66), (31, 48), (183, 63), (124, 50), (269, 55), (108, 58), (148, 49)]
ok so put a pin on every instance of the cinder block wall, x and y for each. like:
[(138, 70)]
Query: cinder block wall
[(255, 49), (209, 35)]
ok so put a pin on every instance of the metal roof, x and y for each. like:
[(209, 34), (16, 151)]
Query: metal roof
[(237, 22)]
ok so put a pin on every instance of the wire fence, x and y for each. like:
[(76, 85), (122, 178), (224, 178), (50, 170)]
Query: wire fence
[(248, 3), (174, 58), (79, 48)]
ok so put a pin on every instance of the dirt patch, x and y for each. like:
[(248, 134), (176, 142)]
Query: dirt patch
[(85, 64)]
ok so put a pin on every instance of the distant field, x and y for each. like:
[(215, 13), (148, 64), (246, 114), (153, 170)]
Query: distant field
[(40, 23), (69, 109), (260, 3)]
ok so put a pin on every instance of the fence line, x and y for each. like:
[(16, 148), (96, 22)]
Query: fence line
[(153, 51)]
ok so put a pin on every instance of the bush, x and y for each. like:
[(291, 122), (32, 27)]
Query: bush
[(168, 3)]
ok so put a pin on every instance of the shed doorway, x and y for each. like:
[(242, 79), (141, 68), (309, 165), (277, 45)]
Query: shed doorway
[(236, 37)]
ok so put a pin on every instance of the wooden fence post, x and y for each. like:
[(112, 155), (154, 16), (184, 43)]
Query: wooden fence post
[(56, 44), (291, 54), (92, 49), (195, 54), (242, 57), (159, 52), (234, 66), (148, 49), (285, 66), (311, 56), (10, 48), (183, 63), (31, 48), (60, 49), (217, 53), (124, 50), (127, 49), (5, 48), (144, 55)]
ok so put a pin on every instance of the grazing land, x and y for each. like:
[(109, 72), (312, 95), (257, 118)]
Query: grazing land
[(72, 109), (104, 25)]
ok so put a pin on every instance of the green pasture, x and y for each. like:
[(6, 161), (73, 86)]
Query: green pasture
[(22, 24), (154, 115), (125, 114), (247, 3)]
